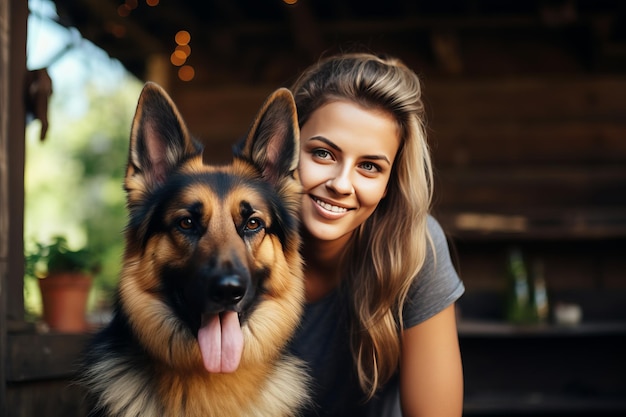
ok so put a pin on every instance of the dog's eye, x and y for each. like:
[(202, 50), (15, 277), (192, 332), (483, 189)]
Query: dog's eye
[(253, 224), (186, 223)]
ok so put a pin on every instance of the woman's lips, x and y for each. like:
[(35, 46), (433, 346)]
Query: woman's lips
[(329, 207), (328, 210)]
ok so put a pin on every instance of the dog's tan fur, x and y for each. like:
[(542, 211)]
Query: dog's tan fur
[(171, 379)]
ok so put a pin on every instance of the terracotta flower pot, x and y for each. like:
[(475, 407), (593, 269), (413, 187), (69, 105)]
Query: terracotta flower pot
[(64, 297)]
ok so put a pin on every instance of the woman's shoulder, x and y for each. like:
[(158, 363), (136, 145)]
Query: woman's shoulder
[(437, 285), (435, 230), (438, 263)]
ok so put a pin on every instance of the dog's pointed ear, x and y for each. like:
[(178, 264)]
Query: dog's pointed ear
[(159, 139), (273, 141)]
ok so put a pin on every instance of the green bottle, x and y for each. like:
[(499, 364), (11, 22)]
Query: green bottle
[(519, 309), (539, 302)]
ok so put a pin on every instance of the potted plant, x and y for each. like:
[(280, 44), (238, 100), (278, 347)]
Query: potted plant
[(65, 278)]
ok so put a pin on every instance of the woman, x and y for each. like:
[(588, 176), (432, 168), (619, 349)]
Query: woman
[(379, 330)]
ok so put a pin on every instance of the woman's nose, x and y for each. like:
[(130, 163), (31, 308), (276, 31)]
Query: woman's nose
[(340, 183)]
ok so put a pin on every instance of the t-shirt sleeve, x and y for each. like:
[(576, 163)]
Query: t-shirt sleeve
[(437, 285)]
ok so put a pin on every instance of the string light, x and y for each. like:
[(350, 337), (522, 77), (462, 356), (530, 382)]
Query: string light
[(123, 10), (180, 55), (178, 58), (184, 49), (182, 37), (186, 73), (117, 30)]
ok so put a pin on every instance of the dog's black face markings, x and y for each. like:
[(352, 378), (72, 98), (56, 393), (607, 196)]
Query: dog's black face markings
[(190, 290), (221, 184)]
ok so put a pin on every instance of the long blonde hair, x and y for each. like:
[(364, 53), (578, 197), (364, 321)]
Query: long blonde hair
[(387, 251)]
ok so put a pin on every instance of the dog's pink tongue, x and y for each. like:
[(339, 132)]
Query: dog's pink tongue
[(221, 342)]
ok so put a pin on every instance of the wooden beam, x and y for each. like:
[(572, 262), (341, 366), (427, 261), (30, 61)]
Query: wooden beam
[(105, 12), (5, 20), (523, 100), (15, 146), (35, 357), (13, 17)]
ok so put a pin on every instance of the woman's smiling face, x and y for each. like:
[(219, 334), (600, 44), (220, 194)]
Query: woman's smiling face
[(346, 157)]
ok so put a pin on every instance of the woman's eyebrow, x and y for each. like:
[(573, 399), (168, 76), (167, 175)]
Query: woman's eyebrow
[(337, 148), (326, 141), (377, 158)]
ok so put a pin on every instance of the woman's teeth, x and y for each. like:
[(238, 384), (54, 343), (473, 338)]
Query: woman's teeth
[(330, 207)]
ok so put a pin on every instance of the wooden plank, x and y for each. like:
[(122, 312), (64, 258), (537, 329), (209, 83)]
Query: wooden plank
[(49, 398), (34, 357), (530, 187), (219, 112), (533, 202), (474, 102), (219, 117), (572, 142), (535, 222)]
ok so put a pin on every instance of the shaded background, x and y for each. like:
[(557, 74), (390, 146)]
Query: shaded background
[(527, 125)]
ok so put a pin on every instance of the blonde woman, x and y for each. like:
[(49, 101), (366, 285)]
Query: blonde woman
[(379, 332)]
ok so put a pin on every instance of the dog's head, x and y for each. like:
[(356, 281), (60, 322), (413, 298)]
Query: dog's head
[(212, 264)]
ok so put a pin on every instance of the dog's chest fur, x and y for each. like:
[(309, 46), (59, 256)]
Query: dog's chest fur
[(143, 392)]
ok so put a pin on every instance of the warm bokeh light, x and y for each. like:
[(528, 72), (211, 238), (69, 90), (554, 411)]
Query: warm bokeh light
[(290, 2), (117, 30), (185, 49), (152, 2), (178, 58), (123, 10), (186, 73), (182, 37)]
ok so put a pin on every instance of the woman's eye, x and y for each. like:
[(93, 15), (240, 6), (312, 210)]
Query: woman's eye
[(186, 223), (321, 153), (368, 166)]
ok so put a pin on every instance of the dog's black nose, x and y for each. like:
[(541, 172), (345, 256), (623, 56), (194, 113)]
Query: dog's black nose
[(227, 289)]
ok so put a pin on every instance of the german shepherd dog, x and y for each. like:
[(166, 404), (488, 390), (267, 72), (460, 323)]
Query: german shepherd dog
[(211, 287)]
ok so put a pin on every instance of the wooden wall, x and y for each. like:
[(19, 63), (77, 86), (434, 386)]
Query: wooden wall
[(532, 144), (41, 375), (535, 162)]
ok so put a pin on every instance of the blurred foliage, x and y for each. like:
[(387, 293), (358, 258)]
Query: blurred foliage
[(73, 179), (58, 257)]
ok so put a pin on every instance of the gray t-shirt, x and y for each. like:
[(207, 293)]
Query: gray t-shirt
[(322, 340)]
